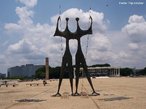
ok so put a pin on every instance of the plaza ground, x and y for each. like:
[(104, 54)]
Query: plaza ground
[(115, 93)]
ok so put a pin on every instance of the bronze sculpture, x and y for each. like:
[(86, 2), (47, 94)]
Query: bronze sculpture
[(67, 57), (80, 59)]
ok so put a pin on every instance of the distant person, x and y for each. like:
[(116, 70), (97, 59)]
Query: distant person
[(44, 82)]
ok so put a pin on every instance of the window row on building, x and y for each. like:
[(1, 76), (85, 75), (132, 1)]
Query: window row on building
[(102, 71)]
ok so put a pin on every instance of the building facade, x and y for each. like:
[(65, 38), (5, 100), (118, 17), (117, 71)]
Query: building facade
[(27, 70), (2, 75), (102, 71)]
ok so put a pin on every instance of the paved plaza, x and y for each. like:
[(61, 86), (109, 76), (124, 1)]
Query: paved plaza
[(116, 93)]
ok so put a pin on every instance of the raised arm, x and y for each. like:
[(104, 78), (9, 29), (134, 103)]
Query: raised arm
[(90, 28), (66, 33), (80, 32), (58, 32)]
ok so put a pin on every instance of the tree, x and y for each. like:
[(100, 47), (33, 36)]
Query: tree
[(101, 65), (143, 71), (126, 71), (53, 72), (40, 73)]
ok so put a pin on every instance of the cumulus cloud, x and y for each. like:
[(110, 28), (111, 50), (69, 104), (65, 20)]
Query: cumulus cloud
[(12, 27), (133, 46), (99, 22), (136, 19), (25, 21), (135, 32), (24, 15), (28, 3), (101, 42), (22, 47), (135, 28), (37, 41)]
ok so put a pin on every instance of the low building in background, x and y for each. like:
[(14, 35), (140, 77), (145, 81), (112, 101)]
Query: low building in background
[(27, 70), (104, 71), (2, 75), (101, 71)]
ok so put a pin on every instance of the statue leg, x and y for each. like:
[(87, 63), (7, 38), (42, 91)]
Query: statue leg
[(77, 79), (71, 81), (88, 77), (59, 85), (61, 77), (71, 75)]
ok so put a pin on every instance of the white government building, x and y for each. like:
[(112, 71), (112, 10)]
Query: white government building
[(102, 71)]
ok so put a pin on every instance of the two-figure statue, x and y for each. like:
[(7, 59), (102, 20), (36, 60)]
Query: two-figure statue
[(79, 58)]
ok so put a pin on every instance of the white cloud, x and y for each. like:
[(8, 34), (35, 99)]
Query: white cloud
[(99, 24), (29, 3), (135, 32), (101, 42), (133, 46), (37, 41), (136, 19), (22, 47), (12, 26), (123, 54), (24, 23), (135, 28), (24, 15)]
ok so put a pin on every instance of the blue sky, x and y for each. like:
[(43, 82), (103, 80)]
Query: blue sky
[(47, 8), (27, 27)]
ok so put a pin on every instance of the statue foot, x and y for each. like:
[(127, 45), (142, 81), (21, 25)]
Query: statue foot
[(57, 95), (77, 94), (72, 94), (95, 94)]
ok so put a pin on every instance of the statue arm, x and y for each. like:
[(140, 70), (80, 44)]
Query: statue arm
[(57, 31), (89, 31), (90, 28), (84, 32)]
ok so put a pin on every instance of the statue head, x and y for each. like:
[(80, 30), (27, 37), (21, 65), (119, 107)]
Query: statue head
[(67, 19), (77, 19)]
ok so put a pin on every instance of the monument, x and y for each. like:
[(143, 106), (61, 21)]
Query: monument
[(47, 68), (67, 57), (79, 58)]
